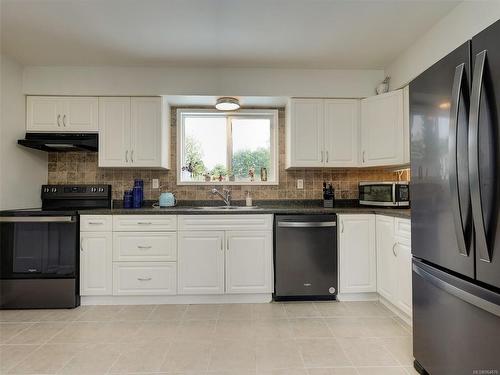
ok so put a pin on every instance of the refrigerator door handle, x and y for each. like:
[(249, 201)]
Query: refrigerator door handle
[(470, 298), (452, 145), (474, 178)]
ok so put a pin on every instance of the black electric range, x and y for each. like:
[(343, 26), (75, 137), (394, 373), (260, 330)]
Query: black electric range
[(39, 248)]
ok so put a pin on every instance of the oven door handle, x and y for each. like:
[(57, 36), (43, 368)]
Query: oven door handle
[(37, 219)]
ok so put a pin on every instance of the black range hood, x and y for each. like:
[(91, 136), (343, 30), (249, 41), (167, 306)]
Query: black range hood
[(61, 142)]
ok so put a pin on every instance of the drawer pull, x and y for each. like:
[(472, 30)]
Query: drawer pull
[(143, 247), (96, 223), (144, 223), (144, 278)]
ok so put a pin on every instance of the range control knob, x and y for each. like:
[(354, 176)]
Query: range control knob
[(54, 190), (101, 190)]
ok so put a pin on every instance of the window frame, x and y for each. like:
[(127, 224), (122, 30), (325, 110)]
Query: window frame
[(271, 114)]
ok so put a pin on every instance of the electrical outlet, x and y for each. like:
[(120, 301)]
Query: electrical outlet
[(300, 184), (155, 183)]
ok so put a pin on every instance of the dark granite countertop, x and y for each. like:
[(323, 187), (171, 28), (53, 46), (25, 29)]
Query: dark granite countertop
[(262, 207)]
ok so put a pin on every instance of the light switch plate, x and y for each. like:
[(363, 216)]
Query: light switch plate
[(300, 184), (155, 183)]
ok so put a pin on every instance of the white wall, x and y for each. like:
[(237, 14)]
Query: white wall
[(68, 80), (461, 24), (22, 171)]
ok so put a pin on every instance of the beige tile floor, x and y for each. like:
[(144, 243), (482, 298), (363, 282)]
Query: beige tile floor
[(327, 338)]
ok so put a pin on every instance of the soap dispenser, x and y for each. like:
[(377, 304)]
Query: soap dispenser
[(248, 200)]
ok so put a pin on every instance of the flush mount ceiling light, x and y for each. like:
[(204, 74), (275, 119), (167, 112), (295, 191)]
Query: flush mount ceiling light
[(227, 104)]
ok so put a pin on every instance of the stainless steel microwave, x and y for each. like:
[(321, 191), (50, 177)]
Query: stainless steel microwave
[(386, 194)]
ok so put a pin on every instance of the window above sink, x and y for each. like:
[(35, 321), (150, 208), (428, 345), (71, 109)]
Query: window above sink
[(227, 148)]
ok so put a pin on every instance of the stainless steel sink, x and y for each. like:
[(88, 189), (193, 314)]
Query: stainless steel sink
[(236, 208)]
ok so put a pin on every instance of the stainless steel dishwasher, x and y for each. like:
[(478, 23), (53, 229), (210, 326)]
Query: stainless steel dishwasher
[(305, 257)]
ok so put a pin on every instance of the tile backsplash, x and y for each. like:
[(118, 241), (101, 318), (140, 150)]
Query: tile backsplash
[(81, 168)]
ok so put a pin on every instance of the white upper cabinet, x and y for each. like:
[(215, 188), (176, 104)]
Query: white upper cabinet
[(61, 114), (322, 133), (382, 130), (149, 138), (304, 133), (341, 132), (406, 125), (115, 133), (357, 259), (133, 132)]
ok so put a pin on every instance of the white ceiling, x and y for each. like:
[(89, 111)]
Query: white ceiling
[(336, 34)]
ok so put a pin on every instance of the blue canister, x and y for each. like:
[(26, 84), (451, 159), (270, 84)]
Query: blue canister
[(137, 197), (139, 184), (128, 199)]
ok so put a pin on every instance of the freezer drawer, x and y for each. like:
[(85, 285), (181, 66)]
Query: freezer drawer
[(456, 324), (305, 257)]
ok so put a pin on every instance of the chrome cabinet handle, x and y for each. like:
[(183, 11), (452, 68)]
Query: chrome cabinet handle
[(143, 247), (58, 120), (132, 156), (144, 223), (227, 244), (394, 249), (81, 244), (322, 156), (363, 156), (222, 246), (64, 120), (144, 278), (96, 223), (342, 231), (126, 156), (327, 156)]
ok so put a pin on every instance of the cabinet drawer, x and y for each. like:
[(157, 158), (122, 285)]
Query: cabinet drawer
[(226, 222), (96, 223), (145, 246), (402, 228), (144, 278), (144, 223)]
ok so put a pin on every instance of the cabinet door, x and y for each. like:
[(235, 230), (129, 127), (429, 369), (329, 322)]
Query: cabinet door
[(80, 114), (146, 120), (249, 262), (404, 295), (382, 126), (305, 133), (357, 254), (44, 113), (386, 258), (341, 132), (96, 257), (201, 262), (114, 132)]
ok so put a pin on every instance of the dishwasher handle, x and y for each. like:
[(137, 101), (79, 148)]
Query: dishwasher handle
[(306, 224)]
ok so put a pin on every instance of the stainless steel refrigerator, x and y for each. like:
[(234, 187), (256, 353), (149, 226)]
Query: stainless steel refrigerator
[(455, 189)]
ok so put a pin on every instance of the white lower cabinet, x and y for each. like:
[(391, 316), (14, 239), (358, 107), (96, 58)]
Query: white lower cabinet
[(248, 269), (201, 262), (225, 260), (145, 246), (96, 258), (357, 257), (404, 295), (394, 261), (144, 278), (387, 262)]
